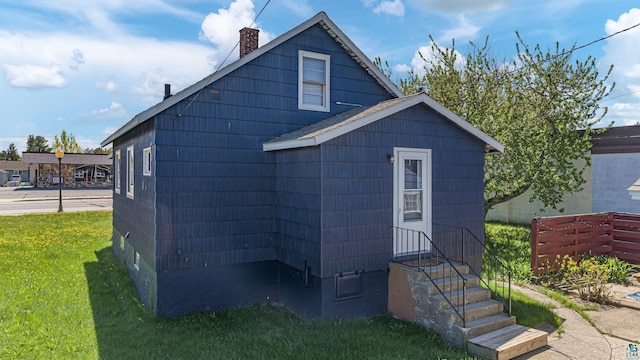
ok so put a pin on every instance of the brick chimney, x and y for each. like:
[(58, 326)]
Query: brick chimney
[(248, 41)]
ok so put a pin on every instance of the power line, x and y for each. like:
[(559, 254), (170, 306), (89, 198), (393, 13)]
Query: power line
[(225, 59)]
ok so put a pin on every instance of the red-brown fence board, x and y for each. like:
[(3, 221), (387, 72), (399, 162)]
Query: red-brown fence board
[(628, 257), (627, 236), (614, 234), (626, 246)]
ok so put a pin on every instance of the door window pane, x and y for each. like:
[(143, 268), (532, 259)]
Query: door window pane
[(412, 190)]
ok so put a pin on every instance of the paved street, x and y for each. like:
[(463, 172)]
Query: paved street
[(18, 201)]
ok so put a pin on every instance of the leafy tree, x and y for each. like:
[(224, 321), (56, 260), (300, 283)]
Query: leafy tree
[(535, 105), (37, 144), (97, 150), (10, 154), (67, 143)]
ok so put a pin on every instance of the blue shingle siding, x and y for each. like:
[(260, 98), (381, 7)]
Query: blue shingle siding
[(298, 208), (217, 206), (357, 189), (213, 198), (136, 216)]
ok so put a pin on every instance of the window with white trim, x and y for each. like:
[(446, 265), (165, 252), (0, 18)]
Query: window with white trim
[(313, 81), (146, 161), (116, 175), (136, 260), (130, 171)]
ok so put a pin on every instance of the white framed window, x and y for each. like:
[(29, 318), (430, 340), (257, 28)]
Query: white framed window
[(116, 171), (313, 81), (136, 260), (130, 171), (146, 161)]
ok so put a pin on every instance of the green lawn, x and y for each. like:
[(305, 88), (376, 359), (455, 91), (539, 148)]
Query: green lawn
[(64, 295), (512, 245)]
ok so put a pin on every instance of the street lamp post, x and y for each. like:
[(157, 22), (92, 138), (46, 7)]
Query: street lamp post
[(59, 155)]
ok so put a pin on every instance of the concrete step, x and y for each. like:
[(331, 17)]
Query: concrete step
[(473, 294), (488, 324), (507, 342), (445, 270), (478, 310), (450, 284)]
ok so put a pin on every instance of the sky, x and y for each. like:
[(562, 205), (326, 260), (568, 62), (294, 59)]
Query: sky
[(88, 67)]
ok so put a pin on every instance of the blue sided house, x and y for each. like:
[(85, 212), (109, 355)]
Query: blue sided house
[(281, 178)]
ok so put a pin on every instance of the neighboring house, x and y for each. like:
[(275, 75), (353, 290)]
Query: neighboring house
[(279, 178), (615, 166), (78, 170), (9, 168)]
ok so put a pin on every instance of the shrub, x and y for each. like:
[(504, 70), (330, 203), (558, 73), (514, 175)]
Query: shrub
[(618, 270), (587, 278)]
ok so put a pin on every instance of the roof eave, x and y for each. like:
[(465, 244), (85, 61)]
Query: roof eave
[(319, 18), (491, 145)]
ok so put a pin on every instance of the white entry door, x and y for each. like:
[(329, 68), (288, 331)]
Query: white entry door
[(412, 200)]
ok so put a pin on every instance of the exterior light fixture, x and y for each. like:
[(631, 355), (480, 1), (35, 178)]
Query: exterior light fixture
[(391, 158), (59, 155)]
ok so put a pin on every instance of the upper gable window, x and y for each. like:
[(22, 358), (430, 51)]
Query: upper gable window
[(313, 81)]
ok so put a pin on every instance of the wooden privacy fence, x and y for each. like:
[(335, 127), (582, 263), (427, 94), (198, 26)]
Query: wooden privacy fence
[(612, 234)]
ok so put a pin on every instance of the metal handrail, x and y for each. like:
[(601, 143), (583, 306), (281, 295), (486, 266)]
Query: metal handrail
[(494, 268), (409, 257)]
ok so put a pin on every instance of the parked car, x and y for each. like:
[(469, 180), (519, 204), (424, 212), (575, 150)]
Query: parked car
[(15, 180)]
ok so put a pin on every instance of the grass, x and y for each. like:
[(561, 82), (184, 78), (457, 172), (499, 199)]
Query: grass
[(532, 313), (65, 296), (570, 304), (512, 244)]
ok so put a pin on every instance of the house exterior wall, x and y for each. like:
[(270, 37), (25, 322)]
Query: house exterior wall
[(212, 201), (357, 198), (521, 211), (134, 219), (335, 206), (612, 175)]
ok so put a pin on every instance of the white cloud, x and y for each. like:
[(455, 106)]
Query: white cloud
[(402, 68), (459, 6), (151, 83), (394, 7), (299, 7), (98, 14), (425, 55), (110, 130), (115, 109), (77, 59), (108, 85), (34, 76), (623, 50), (181, 62), (464, 29), (86, 142), (625, 113), (222, 28)]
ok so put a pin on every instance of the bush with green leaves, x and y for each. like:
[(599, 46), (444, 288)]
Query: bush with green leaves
[(587, 278), (618, 270)]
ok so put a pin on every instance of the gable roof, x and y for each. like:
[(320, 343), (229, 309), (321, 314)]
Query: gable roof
[(320, 18), (353, 119)]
